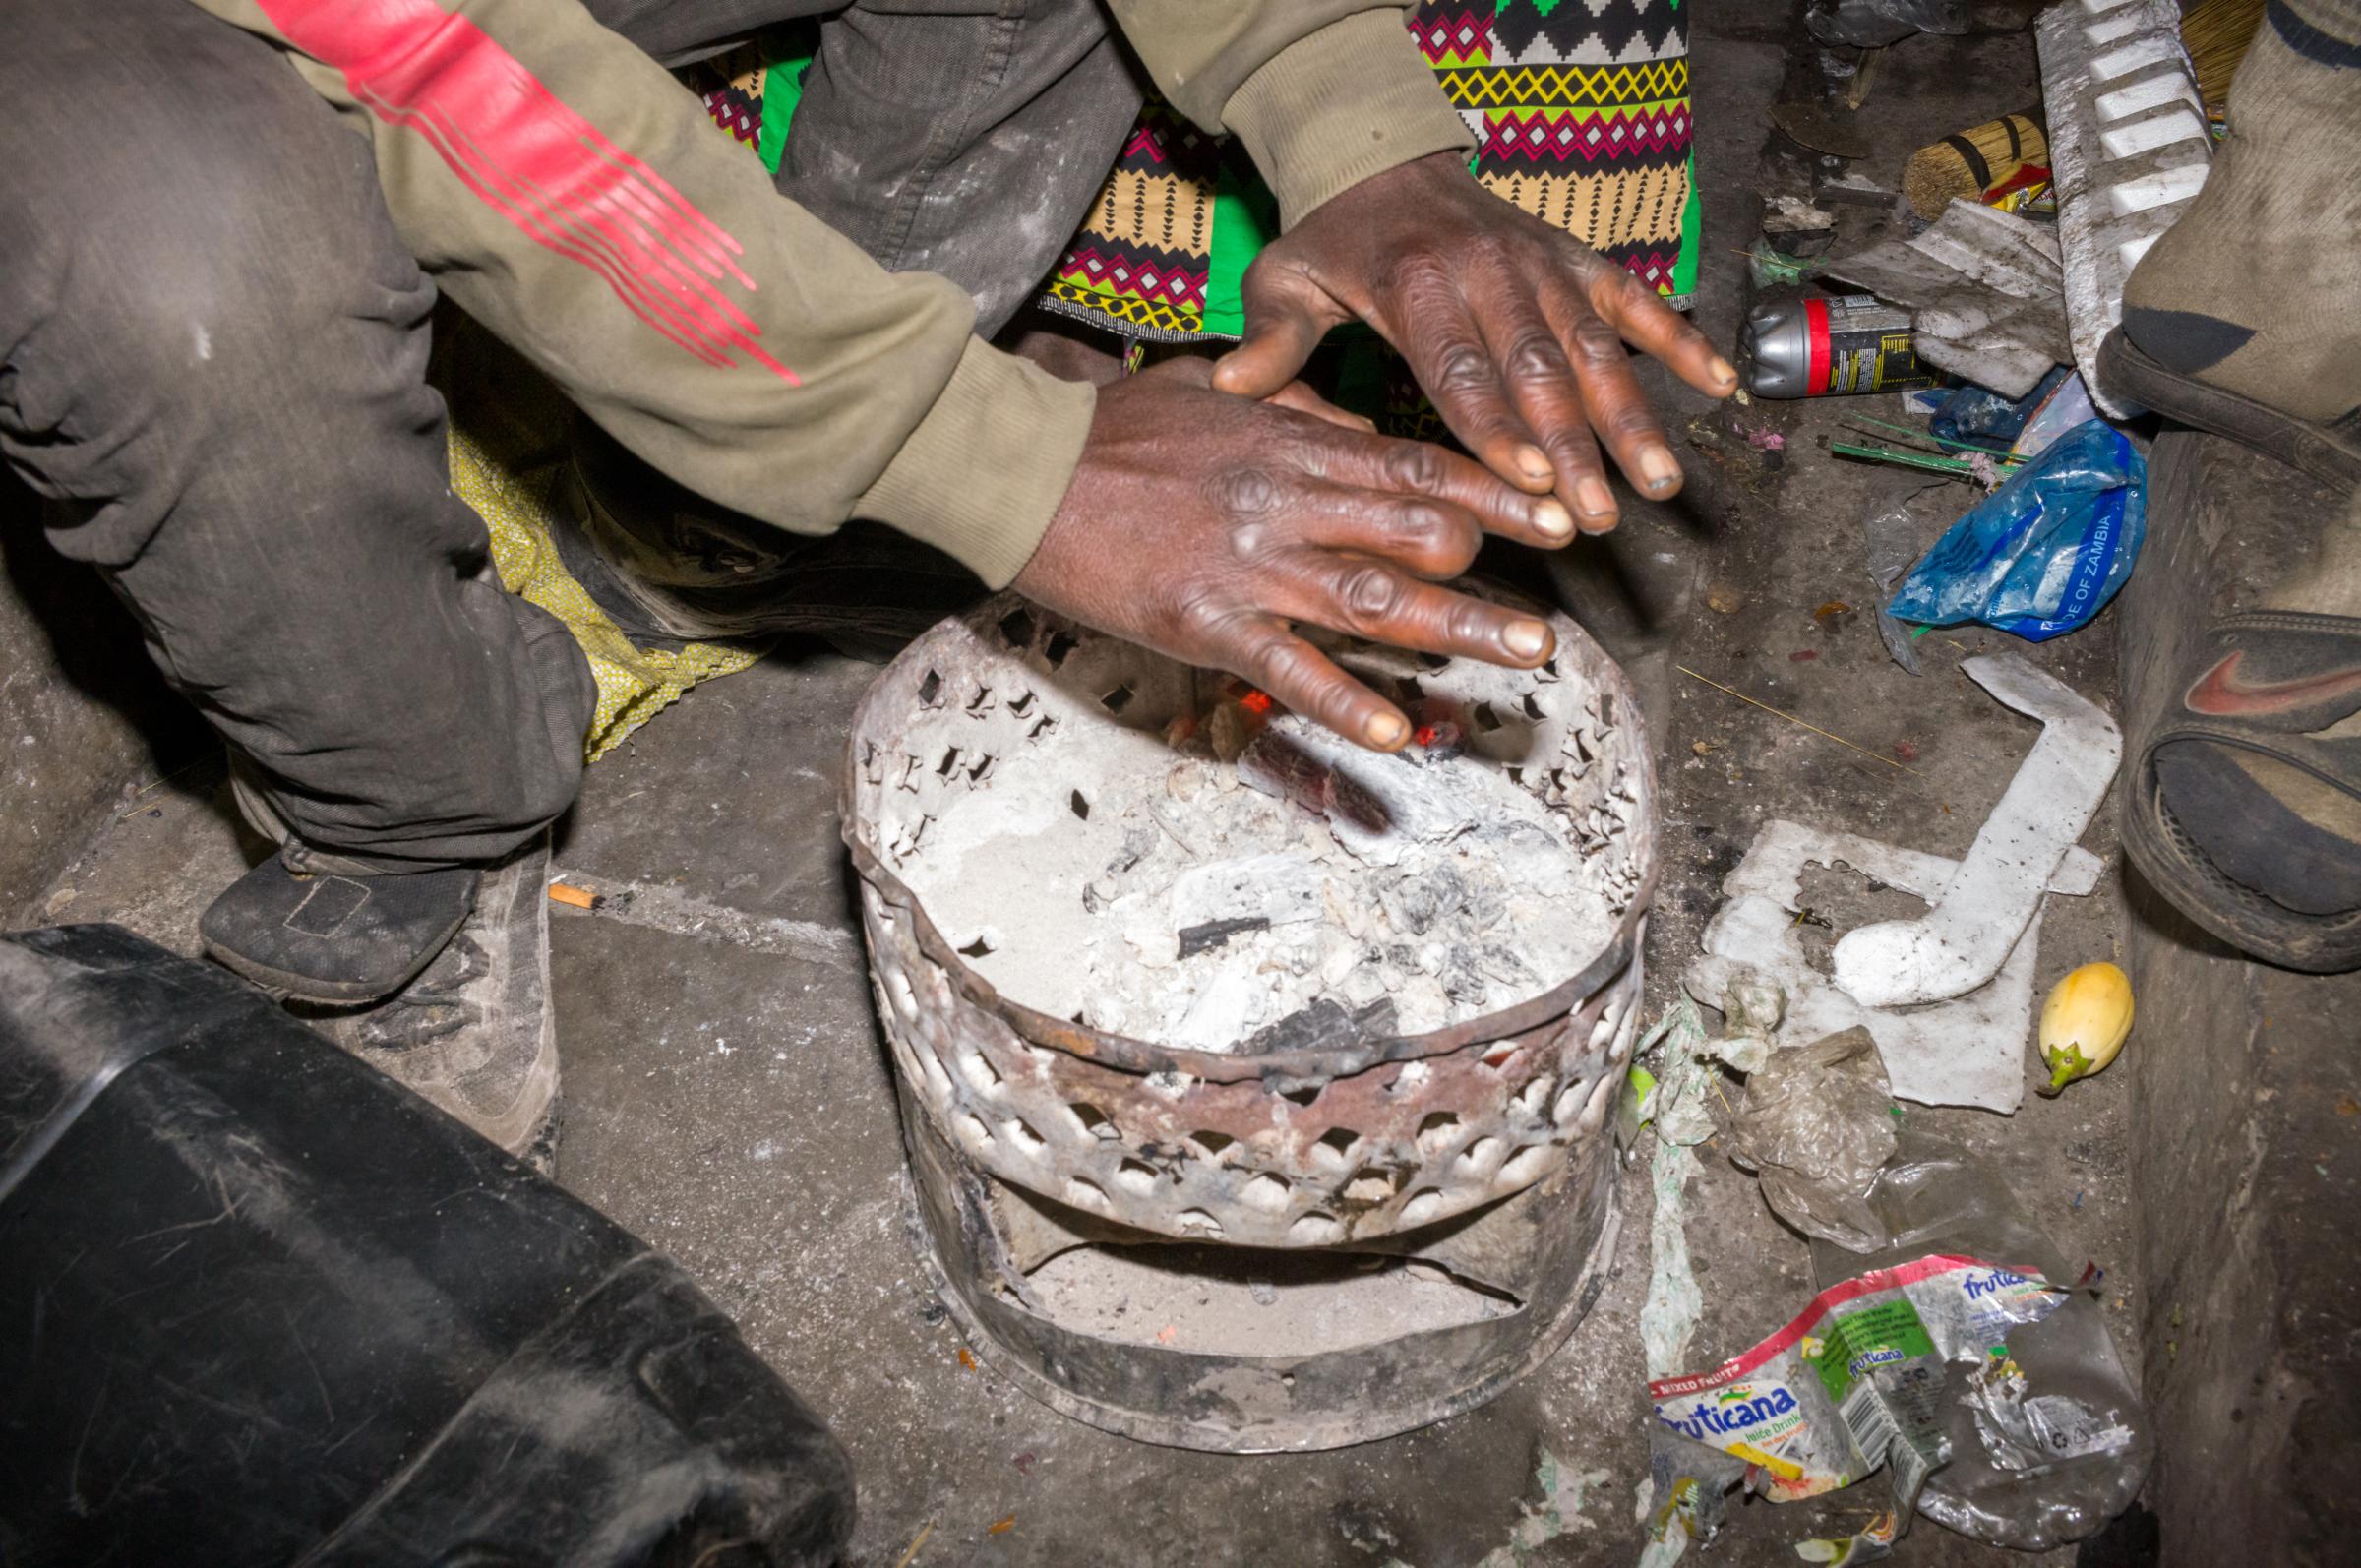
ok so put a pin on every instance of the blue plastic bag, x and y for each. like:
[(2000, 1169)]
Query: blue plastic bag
[(2044, 552)]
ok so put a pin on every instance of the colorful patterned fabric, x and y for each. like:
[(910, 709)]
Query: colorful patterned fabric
[(1579, 109)]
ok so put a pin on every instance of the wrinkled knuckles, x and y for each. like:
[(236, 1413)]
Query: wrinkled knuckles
[(1597, 344), (1368, 596), (1461, 369), (1435, 542), (1244, 494), (1534, 359), (1414, 466), (1205, 619)]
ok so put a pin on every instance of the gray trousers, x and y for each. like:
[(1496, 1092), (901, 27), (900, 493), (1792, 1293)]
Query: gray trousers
[(213, 346)]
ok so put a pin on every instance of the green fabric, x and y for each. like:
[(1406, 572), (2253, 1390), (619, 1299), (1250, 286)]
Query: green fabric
[(1245, 217), (782, 91), (1692, 240)]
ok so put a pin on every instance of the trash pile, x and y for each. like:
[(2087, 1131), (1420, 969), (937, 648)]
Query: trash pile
[(1948, 1345), (1298, 890), (1988, 312)]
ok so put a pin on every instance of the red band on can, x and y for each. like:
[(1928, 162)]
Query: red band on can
[(1815, 330)]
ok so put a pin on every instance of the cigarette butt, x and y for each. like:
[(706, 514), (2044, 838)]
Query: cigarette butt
[(578, 897), (1001, 1527)]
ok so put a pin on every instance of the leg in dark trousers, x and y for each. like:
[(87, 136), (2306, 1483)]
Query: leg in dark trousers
[(213, 347)]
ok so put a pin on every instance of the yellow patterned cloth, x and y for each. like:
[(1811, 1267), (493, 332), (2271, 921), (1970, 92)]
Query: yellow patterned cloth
[(513, 488)]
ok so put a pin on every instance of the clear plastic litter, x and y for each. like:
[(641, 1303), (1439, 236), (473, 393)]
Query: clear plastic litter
[(1955, 1357), (1874, 24), (1975, 414), (2048, 1437), (2044, 553), (1816, 1126)]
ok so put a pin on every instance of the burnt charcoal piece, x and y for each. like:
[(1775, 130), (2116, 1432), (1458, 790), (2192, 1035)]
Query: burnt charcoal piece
[(1416, 905), (1196, 940), (1322, 1024)]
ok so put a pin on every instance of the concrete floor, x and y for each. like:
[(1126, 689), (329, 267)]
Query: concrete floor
[(727, 1096)]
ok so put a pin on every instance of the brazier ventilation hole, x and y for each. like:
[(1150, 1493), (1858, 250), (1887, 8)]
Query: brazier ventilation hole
[(1024, 1137), (1266, 1193), (1057, 647), (1478, 1158), (1485, 719), (1533, 708), (1421, 1207), (950, 762), (971, 1126), (1524, 1166), (905, 1000), (1604, 1029), (1302, 1097), (930, 691), (1316, 1230), (979, 948), (1196, 1221), (1336, 1145), (1020, 705), (1437, 1133), (1090, 1121), (1045, 725), (981, 703), (976, 774), (1569, 1103), (1497, 1058), (1118, 699), (979, 1072), (1078, 806), (1209, 1145), (1433, 661), (1370, 1185), (1017, 626), (1134, 1176), (1086, 1194), (1536, 1094), (939, 1082)]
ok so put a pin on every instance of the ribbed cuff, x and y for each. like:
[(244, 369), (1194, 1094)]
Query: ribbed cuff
[(984, 471), (1354, 99)]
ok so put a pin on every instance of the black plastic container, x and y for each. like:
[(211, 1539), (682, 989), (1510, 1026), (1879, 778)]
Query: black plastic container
[(260, 1304)]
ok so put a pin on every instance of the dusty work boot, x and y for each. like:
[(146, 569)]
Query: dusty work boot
[(2245, 317), (331, 937), (474, 1033), (669, 567)]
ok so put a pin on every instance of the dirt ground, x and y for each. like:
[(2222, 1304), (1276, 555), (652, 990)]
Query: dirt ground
[(727, 1096)]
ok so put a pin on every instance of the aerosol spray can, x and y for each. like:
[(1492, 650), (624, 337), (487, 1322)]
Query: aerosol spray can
[(1815, 348)]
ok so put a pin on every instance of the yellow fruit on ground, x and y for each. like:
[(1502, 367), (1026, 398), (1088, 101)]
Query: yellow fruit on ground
[(2083, 1023)]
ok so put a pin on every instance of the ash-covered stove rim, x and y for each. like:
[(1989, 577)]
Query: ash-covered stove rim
[(1309, 1065)]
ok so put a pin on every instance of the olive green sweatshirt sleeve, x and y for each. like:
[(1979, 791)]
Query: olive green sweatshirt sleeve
[(566, 190), (1322, 94)]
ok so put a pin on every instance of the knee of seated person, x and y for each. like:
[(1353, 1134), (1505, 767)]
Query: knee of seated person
[(249, 276)]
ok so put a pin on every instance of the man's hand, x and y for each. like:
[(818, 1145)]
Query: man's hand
[(1203, 525), (1514, 328)]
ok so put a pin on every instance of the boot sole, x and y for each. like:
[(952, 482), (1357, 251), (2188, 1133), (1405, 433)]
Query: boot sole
[(2331, 454)]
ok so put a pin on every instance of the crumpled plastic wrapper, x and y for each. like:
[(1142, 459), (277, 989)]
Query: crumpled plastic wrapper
[(1753, 1005), (1817, 1123)]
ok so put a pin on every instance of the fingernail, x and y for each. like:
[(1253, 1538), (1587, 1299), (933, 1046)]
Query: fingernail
[(1534, 463), (1594, 499), (1657, 468), (1551, 520), (1386, 730), (1525, 638), (1723, 370)]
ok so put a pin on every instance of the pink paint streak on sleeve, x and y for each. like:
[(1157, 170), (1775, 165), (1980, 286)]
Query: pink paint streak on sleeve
[(528, 155)]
